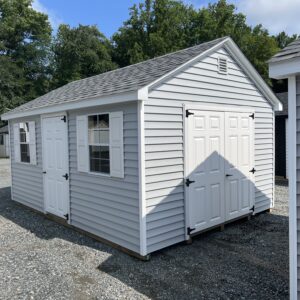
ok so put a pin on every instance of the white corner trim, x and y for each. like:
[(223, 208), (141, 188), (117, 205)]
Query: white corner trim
[(142, 192), (292, 161), (11, 158), (71, 105)]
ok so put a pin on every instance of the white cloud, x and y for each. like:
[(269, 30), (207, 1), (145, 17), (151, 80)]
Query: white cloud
[(274, 15), (54, 19)]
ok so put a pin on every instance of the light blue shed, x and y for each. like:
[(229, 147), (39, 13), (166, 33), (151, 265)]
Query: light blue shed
[(145, 156)]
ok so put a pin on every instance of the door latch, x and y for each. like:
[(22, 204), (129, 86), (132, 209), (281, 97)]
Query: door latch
[(188, 182), (66, 176), (44, 172)]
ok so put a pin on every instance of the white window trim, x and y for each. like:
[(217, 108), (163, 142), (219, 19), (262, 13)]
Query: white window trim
[(23, 143), (105, 145)]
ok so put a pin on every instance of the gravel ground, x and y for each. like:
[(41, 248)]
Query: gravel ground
[(40, 259)]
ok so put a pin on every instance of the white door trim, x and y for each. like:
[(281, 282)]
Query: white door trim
[(43, 117), (219, 108)]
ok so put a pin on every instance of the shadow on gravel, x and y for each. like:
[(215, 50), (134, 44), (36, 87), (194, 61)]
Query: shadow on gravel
[(248, 260)]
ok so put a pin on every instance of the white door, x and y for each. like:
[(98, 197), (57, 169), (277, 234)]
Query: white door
[(239, 186), (206, 169), (55, 165), (219, 186)]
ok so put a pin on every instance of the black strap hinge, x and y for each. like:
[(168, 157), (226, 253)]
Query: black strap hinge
[(252, 170), (252, 208), (67, 217), (64, 118), (189, 230), (188, 113), (252, 116), (188, 182)]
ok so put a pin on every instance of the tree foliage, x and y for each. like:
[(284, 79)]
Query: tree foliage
[(25, 36), (32, 61), (79, 52)]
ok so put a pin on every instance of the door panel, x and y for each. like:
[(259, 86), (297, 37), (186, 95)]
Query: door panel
[(55, 162), (239, 186), (219, 144), (206, 168)]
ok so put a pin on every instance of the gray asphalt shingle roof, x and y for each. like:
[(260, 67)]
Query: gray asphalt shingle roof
[(283, 98), (121, 80), (290, 51)]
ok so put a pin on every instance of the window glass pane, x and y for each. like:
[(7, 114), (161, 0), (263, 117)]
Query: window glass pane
[(24, 132), (104, 152), (95, 165), (95, 152), (104, 136), (25, 154), (103, 121), (93, 122), (1, 139), (104, 166)]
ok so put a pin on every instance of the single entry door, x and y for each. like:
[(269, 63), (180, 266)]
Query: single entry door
[(55, 165), (219, 184)]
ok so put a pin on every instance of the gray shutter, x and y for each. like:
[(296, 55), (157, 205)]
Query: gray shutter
[(32, 143), (82, 143), (116, 144), (17, 142)]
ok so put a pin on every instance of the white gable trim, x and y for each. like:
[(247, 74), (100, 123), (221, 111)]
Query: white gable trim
[(241, 59), (109, 99), (284, 68)]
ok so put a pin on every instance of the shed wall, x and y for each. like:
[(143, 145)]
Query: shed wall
[(298, 177), (200, 83), (108, 207), (27, 179)]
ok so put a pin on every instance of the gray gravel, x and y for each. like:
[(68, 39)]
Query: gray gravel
[(40, 259)]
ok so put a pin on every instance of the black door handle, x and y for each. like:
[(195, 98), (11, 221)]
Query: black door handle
[(66, 176), (228, 175)]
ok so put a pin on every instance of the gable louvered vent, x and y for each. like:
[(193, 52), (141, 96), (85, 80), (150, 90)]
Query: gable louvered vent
[(223, 65)]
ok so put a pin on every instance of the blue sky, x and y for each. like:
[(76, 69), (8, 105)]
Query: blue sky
[(109, 15)]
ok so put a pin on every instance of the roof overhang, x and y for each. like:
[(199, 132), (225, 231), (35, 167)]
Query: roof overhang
[(284, 68), (238, 55), (79, 104)]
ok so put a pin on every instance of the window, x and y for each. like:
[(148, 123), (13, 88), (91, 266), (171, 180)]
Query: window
[(99, 154), (1, 139), (24, 142)]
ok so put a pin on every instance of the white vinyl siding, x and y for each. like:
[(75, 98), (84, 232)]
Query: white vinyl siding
[(201, 83), (27, 179), (108, 206), (298, 177)]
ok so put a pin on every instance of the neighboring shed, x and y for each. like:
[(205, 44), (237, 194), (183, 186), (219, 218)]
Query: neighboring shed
[(281, 133), (4, 142), (148, 155), (286, 64)]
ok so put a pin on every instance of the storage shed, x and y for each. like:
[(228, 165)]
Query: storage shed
[(4, 142), (286, 64), (148, 155)]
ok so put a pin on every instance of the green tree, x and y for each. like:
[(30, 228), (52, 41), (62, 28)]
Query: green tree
[(25, 36), (283, 39), (79, 52), (154, 28)]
